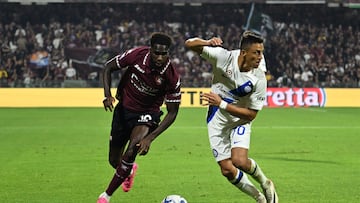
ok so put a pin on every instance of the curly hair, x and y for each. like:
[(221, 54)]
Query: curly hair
[(160, 38)]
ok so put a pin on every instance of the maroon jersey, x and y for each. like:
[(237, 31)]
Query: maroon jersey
[(142, 87)]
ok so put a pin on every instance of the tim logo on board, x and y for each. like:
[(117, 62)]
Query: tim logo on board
[(295, 97)]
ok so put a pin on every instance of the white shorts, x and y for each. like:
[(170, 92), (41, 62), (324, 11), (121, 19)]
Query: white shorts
[(222, 140)]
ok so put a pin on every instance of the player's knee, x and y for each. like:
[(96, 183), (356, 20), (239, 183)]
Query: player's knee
[(113, 162), (116, 149), (131, 152), (241, 163), (114, 158), (226, 172), (227, 168)]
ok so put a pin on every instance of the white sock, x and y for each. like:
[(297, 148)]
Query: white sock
[(242, 182), (256, 172), (105, 195)]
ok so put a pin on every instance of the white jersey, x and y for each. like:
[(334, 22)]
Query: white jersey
[(244, 89)]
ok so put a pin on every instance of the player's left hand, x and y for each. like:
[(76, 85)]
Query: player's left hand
[(144, 146)]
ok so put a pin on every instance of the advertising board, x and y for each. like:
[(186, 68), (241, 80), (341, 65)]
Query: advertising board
[(92, 97)]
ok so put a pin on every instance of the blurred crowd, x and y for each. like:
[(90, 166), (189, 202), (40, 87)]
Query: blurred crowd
[(309, 45)]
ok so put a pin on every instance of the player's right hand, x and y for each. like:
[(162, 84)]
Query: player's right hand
[(215, 41), (210, 99), (109, 103)]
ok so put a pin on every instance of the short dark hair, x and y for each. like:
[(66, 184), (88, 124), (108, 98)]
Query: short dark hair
[(160, 38), (248, 38)]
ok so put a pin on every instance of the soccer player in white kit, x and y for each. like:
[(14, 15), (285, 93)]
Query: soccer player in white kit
[(237, 93)]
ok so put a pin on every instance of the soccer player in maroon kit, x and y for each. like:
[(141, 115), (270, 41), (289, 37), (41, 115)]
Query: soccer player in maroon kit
[(150, 79)]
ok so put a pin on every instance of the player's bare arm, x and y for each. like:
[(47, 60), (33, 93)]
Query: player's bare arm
[(108, 100), (215, 100), (172, 111), (196, 44)]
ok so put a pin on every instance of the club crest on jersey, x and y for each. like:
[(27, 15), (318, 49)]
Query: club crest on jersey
[(159, 80), (243, 89)]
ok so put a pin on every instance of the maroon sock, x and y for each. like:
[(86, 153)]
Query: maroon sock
[(122, 171)]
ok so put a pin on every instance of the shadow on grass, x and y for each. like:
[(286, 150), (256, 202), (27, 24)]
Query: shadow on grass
[(299, 160)]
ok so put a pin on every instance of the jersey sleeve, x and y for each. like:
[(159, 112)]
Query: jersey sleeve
[(127, 58), (173, 93), (257, 98), (216, 56)]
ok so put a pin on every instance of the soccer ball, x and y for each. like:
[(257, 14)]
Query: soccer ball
[(174, 199)]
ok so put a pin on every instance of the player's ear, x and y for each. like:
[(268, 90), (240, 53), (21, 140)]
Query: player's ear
[(243, 52)]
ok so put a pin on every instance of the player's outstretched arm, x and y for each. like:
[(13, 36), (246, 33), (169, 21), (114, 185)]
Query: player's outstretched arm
[(196, 44)]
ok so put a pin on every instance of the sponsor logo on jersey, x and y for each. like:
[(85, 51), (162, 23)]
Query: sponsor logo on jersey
[(141, 86)]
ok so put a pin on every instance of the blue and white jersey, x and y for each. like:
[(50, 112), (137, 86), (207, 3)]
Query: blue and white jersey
[(244, 89)]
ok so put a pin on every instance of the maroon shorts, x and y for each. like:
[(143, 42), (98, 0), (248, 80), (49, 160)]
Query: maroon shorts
[(124, 121)]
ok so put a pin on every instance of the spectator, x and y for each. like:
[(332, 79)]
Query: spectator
[(3, 76), (324, 35), (307, 77), (284, 81)]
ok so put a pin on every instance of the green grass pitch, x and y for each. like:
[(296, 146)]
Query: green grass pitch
[(59, 155)]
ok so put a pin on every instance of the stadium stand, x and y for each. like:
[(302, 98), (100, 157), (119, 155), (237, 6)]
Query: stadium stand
[(65, 45)]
